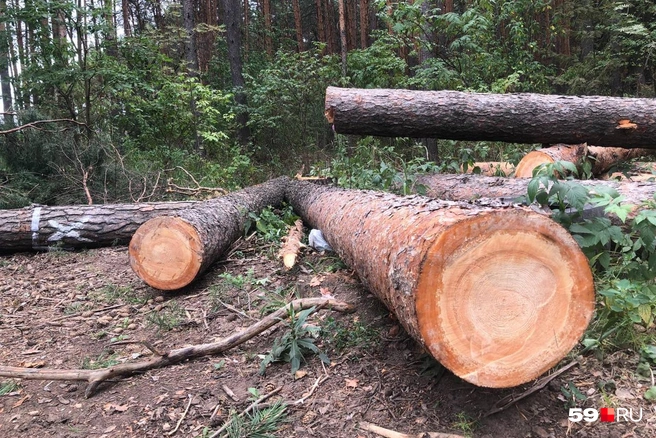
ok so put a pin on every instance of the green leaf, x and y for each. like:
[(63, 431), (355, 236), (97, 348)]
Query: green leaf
[(532, 189), (644, 310), (650, 394)]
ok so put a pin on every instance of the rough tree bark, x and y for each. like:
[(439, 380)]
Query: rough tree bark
[(342, 36), (233, 21), (5, 79), (474, 187), (600, 158), (456, 277), (298, 24), (77, 226), (518, 118), (168, 252)]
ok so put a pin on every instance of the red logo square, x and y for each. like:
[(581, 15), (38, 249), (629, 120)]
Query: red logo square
[(607, 415)]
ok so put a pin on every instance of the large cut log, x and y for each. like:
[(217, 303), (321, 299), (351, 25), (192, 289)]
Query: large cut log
[(168, 252), (475, 187), (40, 227), (497, 296), (601, 159), (516, 118)]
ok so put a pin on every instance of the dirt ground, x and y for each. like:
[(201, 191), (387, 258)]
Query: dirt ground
[(64, 310)]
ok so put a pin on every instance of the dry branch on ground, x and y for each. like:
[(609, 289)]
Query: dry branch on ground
[(162, 359)]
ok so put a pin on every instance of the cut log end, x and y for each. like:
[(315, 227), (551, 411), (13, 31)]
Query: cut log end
[(166, 252), (502, 298), (530, 161)]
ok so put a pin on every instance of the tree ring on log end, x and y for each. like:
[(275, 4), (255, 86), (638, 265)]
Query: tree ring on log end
[(166, 252), (503, 297)]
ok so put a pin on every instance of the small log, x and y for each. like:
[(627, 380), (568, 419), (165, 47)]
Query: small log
[(475, 187), (600, 158), (169, 252), (162, 359), (291, 245), (498, 296), (40, 228), (514, 118)]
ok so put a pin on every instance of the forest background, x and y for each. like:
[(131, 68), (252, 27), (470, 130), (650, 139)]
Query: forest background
[(136, 100)]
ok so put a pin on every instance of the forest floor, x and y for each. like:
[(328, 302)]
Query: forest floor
[(63, 310)]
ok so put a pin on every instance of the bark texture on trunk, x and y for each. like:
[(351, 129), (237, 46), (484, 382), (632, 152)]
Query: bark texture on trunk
[(474, 187), (602, 159), (456, 277), (517, 118), (40, 227), (169, 252)]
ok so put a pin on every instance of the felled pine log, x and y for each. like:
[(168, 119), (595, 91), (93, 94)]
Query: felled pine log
[(601, 159), (169, 252), (40, 227), (515, 118), (498, 296), (473, 187)]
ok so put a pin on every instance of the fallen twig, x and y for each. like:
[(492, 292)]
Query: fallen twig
[(96, 377), (388, 433), (318, 382), (184, 414), (511, 399), (247, 410)]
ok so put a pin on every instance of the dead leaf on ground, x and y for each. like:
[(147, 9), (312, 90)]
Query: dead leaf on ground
[(112, 407), (316, 280), (325, 292), (20, 402), (351, 383)]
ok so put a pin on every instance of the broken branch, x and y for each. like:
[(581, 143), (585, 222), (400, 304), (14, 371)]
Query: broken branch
[(96, 377)]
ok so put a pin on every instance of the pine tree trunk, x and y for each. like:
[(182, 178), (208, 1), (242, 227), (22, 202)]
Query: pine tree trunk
[(321, 27), (77, 226), (351, 24), (456, 277), (364, 24), (169, 252), (342, 36), (331, 34), (232, 20), (601, 159), (268, 28), (5, 79), (467, 187), (517, 118), (298, 25), (125, 10)]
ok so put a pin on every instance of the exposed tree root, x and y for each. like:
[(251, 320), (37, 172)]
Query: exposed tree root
[(96, 377)]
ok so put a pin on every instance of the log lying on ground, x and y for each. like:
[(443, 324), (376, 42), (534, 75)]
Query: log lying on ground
[(497, 296), (515, 118), (168, 252), (601, 158), (474, 187), (40, 227)]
